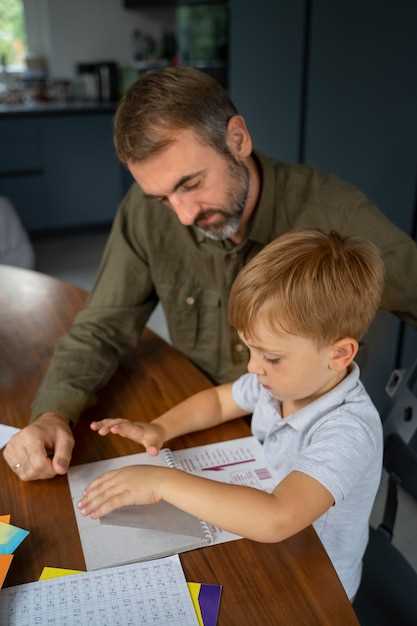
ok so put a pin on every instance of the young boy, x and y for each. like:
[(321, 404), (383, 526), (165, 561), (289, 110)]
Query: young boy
[(301, 306)]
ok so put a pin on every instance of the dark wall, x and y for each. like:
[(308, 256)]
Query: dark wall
[(266, 50), (362, 99), (334, 85)]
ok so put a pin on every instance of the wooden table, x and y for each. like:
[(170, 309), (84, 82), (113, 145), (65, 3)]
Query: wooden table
[(291, 583)]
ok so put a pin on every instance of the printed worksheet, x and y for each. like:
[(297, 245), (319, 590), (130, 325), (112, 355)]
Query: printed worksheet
[(238, 462), (154, 593)]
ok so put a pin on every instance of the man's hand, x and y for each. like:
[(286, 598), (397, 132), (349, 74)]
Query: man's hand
[(136, 484), (41, 450), (151, 436)]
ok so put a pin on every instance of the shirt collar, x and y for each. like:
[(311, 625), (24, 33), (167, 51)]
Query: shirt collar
[(302, 419), (260, 226)]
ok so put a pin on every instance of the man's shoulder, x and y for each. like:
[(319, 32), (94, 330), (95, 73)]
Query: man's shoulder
[(323, 186), (306, 185)]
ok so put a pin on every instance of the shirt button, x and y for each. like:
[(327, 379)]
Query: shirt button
[(190, 300), (273, 438), (239, 347)]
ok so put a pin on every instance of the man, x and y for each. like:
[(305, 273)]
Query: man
[(204, 203)]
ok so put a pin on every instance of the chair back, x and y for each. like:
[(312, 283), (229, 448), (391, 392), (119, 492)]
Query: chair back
[(400, 441), (402, 416)]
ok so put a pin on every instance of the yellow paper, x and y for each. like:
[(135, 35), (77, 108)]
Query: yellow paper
[(5, 519), (194, 589), (5, 560), (56, 572)]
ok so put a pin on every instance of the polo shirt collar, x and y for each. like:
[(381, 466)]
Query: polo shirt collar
[(260, 226)]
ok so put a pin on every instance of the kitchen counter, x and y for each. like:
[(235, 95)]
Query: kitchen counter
[(56, 108), (58, 165)]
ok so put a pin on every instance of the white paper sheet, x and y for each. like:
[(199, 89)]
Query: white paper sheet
[(6, 433), (144, 594)]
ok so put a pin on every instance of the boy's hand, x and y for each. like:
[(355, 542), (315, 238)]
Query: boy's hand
[(151, 436), (135, 484)]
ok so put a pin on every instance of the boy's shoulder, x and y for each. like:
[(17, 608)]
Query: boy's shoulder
[(343, 445)]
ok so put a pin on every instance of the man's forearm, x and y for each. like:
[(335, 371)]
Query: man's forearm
[(84, 360), (242, 510)]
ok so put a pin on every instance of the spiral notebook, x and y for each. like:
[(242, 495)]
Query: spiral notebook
[(140, 533)]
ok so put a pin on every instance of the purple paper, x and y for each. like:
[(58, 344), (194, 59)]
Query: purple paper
[(209, 601)]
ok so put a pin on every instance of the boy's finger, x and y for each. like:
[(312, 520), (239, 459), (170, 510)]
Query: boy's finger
[(105, 480), (94, 503), (110, 504), (105, 429), (106, 423), (130, 430), (153, 440)]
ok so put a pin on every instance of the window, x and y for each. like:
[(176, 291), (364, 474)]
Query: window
[(12, 34)]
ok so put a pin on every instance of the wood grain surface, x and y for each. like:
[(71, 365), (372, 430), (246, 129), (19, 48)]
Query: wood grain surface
[(291, 583)]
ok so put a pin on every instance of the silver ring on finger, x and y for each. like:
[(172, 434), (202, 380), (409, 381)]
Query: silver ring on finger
[(17, 466)]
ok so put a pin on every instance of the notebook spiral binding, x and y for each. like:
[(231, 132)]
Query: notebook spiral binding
[(169, 459)]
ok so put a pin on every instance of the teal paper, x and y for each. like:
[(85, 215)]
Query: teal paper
[(10, 538)]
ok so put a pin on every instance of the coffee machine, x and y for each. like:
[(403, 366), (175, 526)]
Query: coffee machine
[(100, 81)]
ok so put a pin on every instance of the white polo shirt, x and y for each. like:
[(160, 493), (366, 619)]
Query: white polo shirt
[(337, 440)]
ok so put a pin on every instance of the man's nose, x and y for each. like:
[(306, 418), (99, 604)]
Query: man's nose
[(186, 210)]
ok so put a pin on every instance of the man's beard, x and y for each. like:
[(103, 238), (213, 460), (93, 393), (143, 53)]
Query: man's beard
[(237, 195)]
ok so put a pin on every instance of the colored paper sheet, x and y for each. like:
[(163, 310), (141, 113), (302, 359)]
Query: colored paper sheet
[(5, 519), (6, 433), (206, 601), (5, 560), (11, 537), (209, 600), (57, 572), (194, 589)]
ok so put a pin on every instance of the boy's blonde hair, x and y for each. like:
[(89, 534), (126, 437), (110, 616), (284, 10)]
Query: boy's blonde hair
[(309, 283)]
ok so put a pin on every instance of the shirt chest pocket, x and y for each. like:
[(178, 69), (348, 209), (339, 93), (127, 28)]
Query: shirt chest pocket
[(193, 316)]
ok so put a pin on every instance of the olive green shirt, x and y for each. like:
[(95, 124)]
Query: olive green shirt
[(150, 256)]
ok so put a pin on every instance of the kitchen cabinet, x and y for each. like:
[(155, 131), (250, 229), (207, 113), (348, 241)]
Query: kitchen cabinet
[(60, 170)]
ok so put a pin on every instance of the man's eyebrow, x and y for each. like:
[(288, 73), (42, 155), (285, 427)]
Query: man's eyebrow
[(178, 184)]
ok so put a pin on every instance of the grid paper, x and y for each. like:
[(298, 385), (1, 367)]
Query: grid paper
[(153, 593)]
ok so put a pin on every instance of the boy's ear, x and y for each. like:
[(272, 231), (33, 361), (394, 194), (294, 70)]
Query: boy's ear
[(342, 353)]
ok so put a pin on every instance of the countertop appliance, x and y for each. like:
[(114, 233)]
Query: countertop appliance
[(100, 80)]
